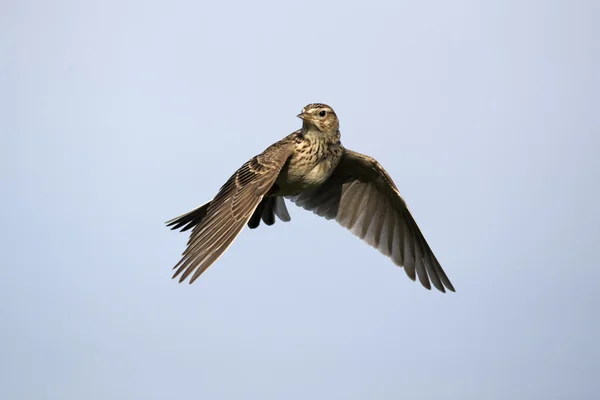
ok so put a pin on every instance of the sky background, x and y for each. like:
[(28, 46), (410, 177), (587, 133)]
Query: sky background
[(116, 116)]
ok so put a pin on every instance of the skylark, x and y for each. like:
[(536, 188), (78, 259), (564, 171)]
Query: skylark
[(311, 168)]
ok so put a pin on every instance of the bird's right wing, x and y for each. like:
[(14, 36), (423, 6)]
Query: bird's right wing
[(231, 209)]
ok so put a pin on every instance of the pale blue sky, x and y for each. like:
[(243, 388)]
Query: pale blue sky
[(116, 116)]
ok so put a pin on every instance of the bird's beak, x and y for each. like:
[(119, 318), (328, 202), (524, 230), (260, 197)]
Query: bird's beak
[(303, 116)]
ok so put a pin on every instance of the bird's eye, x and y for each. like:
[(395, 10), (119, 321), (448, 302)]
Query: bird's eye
[(322, 113)]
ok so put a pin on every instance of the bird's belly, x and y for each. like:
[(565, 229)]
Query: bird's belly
[(298, 177)]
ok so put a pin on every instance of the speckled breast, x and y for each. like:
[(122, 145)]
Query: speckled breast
[(312, 163)]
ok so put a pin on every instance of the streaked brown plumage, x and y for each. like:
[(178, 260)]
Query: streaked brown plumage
[(312, 169)]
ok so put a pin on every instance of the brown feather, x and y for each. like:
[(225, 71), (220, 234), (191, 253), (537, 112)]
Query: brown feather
[(219, 222), (369, 204)]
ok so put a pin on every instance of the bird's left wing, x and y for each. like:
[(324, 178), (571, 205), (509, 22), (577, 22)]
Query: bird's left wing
[(362, 197), (231, 209)]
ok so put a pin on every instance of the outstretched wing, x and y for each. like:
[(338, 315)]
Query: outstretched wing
[(362, 197), (231, 209)]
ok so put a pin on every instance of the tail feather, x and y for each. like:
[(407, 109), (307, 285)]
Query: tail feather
[(268, 213), (281, 210), (268, 208), (254, 220)]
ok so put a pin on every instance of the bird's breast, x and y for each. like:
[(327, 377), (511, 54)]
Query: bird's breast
[(310, 166)]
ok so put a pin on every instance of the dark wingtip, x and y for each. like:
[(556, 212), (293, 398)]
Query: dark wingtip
[(170, 224), (412, 277), (438, 285), (184, 225), (425, 282)]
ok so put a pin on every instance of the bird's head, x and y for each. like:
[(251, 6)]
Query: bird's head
[(319, 116)]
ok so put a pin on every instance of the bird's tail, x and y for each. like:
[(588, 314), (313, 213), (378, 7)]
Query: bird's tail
[(268, 208)]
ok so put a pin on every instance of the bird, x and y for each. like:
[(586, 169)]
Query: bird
[(311, 168)]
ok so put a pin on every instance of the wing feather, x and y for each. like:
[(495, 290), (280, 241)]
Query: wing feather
[(362, 197), (225, 216)]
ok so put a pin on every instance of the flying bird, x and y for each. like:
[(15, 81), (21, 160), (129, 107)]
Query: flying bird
[(311, 168)]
